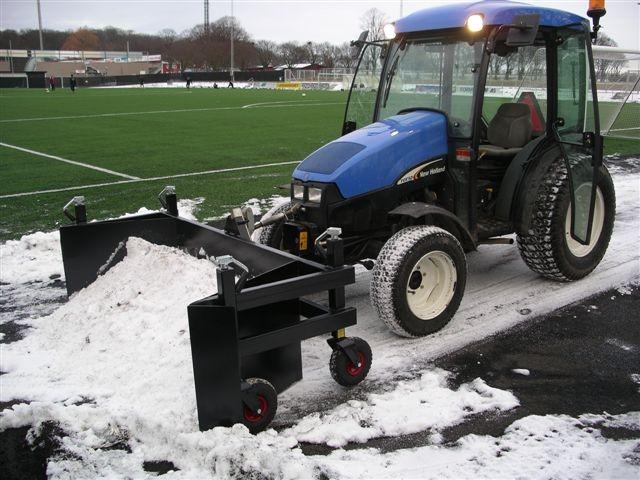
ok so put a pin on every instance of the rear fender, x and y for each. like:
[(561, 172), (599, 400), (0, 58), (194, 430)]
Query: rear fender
[(527, 190), (439, 217), (512, 180)]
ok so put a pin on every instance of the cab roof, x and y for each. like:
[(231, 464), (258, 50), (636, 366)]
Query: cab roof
[(494, 12)]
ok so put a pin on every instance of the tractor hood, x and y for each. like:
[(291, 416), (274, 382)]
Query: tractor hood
[(376, 156)]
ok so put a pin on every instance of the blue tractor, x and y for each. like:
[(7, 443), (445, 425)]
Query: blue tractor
[(467, 123)]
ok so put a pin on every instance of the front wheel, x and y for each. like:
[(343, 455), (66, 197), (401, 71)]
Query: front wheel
[(419, 280), (547, 246), (265, 403)]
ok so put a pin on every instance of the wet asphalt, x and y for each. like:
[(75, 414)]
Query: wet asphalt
[(583, 358)]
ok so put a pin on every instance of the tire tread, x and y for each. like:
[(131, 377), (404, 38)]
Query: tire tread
[(386, 270)]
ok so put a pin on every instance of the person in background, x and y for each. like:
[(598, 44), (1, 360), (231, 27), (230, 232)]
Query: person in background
[(188, 82), (52, 83), (72, 83), (141, 82), (230, 84)]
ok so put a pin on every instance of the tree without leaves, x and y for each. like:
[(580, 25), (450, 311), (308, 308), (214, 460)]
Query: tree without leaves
[(329, 55), (347, 57), (291, 53), (266, 52), (221, 30), (374, 21), (607, 68)]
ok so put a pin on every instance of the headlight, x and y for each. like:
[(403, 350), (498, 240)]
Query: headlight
[(315, 195), (298, 192)]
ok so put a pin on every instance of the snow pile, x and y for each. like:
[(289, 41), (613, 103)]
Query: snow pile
[(122, 342), (113, 366), (413, 406), (535, 447), (35, 257)]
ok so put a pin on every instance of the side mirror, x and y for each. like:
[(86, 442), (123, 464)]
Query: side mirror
[(359, 43)]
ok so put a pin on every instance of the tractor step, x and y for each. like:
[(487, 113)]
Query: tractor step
[(489, 227)]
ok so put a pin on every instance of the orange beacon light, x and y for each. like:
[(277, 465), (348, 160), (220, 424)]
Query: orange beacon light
[(596, 11)]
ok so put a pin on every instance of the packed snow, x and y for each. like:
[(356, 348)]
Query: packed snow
[(535, 447), (112, 367), (426, 403)]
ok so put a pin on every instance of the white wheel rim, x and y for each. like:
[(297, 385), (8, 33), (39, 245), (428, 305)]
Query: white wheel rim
[(431, 285), (576, 248)]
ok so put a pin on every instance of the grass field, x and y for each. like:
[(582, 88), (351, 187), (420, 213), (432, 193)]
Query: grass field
[(122, 140)]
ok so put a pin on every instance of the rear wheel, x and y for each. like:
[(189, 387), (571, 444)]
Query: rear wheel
[(547, 247), (419, 280), (271, 235), (266, 403)]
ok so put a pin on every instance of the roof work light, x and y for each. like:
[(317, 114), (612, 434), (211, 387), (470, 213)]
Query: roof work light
[(389, 31), (475, 23)]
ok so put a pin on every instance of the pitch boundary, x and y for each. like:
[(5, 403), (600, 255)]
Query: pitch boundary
[(151, 179), (66, 160), (155, 112)]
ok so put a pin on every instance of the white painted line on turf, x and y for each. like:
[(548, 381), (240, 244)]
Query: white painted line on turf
[(153, 112), (139, 180), (283, 103), (72, 162), (139, 94)]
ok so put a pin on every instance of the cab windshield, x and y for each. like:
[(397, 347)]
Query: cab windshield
[(438, 74)]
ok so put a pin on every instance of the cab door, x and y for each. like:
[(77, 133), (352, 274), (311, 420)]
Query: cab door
[(577, 124), (361, 103)]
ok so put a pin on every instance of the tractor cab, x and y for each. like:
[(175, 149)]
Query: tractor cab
[(508, 80), (468, 123)]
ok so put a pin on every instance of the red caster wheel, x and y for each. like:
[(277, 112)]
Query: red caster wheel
[(259, 404), (350, 361)]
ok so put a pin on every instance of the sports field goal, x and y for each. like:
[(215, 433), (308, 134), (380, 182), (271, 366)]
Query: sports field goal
[(14, 80), (618, 75)]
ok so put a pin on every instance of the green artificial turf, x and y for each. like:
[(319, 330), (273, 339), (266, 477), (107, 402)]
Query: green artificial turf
[(154, 132)]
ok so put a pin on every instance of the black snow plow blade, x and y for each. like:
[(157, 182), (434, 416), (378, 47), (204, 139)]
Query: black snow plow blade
[(252, 327)]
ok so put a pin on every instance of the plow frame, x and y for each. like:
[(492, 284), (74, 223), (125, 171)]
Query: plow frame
[(252, 327)]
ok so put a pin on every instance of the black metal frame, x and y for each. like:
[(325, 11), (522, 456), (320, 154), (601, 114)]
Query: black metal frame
[(250, 328)]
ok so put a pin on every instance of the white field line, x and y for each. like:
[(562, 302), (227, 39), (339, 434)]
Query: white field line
[(283, 103), (55, 95), (72, 162), (154, 112), (623, 129), (139, 180)]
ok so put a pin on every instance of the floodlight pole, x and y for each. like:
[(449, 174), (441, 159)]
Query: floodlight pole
[(232, 35), (40, 25), (11, 56)]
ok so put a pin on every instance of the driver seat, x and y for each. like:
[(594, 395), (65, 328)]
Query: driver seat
[(509, 131)]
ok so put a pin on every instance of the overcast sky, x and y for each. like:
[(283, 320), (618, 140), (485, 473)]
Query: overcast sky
[(279, 20)]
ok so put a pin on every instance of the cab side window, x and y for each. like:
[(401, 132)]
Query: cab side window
[(518, 75)]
